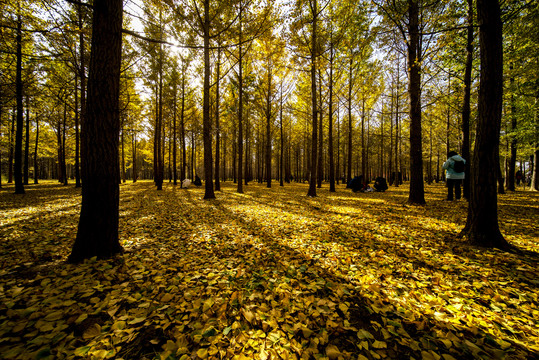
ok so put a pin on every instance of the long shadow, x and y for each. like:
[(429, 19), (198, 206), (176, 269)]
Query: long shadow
[(187, 241), (362, 317)]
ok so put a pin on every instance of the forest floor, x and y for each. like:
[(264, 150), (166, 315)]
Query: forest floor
[(269, 274)]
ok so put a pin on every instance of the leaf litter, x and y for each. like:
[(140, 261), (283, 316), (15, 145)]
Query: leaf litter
[(269, 274)]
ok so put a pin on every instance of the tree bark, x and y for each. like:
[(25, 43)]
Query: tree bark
[(330, 120), (19, 186), (482, 222), (240, 108), (417, 190), (268, 127), (27, 143), (466, 108), (99, 217), (314, 148), (217, 123)]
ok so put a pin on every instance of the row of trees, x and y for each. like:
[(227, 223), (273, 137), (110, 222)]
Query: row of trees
[(241, 89)]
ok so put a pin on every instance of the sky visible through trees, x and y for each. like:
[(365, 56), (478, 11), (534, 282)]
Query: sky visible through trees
[(264, 113)]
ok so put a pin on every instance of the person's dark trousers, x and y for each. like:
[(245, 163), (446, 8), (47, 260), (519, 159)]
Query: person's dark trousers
[(453, 183)]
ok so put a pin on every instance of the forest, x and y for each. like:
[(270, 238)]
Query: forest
[(175, 179)]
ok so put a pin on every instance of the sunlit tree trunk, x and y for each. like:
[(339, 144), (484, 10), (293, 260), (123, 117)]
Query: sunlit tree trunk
[(417, 191), (268, 127), (281, 155), (330, 125), (314, 148), (240, 107)]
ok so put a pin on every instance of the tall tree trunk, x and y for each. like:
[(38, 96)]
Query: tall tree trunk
[(466, 108), (268, 129), (123, 154), (349, 162), (535, 169), (1, 113), (513, 159), (240, 107), (314, 148), (63, 161), (363, 145), (330, 120), (320, 133), (11, 147), (158, 135), (19, 186), (175, 134), (77, 149), (217, 123), (417, 191), (97, 233), (82, 76), (281, 155), (183, 175), (482, 222), (206, 116), (134, 156), (27, 143)]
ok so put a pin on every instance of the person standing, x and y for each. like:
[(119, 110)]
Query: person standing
[(454, 174)]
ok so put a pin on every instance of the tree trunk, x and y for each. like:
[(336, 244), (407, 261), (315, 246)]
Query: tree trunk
[(535, 169), (314, 149), (134, 156), (123, 154), (482, 222), (19, 186), (281, 155), (98, 224), (82, 76), (182, 129), (330, 120), (77, 149), (320, 134), (349, 162), (268, 129), (11, 147), (217, 124), (26, 167), (510, 177), (466, 109), (63, 162), (417, 191), (240, 109)]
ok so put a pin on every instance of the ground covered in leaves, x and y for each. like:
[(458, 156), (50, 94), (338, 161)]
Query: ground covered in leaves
[(269, 274)]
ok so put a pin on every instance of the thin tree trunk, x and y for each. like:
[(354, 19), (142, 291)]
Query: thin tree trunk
[(268, 129), (240, 108), (417, 191), (314, 148), (466, 108), (217, 124), (330, 120), (27, 143), (182, 129), (349, 163), (281, 155), (11, 147), (19, 186)]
